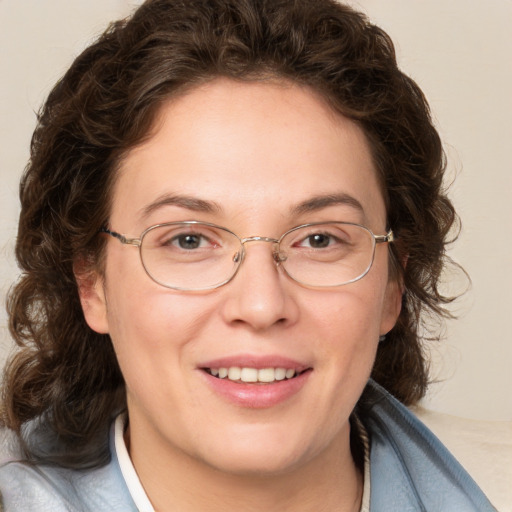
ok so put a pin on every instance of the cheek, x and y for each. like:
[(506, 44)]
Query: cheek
[(347, 324), (151, 321), (351, 316), (345, 346), (154, 330)]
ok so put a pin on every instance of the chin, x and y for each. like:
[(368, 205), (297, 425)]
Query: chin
[(257, 465), (261, 455)]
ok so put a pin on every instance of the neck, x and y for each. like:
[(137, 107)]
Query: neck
[(173, 480)]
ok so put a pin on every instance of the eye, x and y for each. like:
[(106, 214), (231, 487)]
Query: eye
[(320, 241), (189, 241), (185, 239)]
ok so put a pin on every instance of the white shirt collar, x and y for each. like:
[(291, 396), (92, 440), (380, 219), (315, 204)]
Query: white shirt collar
[(365, 502), (130, 476)]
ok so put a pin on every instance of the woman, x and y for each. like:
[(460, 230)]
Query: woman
[(280, 182)]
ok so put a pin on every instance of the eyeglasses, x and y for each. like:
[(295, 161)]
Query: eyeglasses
[(195, 255)]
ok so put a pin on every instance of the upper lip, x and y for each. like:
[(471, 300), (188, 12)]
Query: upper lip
[(253, 361)]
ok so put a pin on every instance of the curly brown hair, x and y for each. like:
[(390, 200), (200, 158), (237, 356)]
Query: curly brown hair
[(65, 376)]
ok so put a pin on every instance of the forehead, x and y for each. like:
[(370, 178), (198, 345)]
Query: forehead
[(246, 149)]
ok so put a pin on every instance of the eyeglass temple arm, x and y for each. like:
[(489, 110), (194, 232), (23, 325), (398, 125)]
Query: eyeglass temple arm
[(121, 238), (382, 239)]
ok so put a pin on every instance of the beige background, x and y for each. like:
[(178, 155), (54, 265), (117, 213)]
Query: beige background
[(458, 51)]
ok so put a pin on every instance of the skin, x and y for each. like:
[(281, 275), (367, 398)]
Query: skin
[(256, 151)]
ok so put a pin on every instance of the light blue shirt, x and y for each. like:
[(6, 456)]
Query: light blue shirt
[(411, 471)]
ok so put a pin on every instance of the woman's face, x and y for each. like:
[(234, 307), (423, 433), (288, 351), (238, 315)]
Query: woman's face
[(259, 159)]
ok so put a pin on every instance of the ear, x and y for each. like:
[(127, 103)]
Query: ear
[(91, 291), (392, 305)]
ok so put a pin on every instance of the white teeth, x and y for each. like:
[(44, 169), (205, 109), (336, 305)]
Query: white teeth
[(234, 373), (280, 373), (249, 375), (266, 375), (290, 373)]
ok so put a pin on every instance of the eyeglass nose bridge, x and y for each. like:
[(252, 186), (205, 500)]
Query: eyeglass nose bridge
[(259, 239), (276, 253)]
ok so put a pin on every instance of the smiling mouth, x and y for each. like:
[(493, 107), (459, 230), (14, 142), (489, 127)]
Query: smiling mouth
[(254, 375)]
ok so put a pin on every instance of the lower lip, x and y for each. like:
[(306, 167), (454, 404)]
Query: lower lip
[(257, 396)]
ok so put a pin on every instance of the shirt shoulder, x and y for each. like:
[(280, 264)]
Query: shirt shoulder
[(40, 488), (410, 468), (26, 487)]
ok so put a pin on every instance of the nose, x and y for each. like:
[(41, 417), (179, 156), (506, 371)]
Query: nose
[(260, 295)]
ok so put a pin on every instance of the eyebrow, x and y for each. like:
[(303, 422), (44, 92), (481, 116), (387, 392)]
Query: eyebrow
[(200, 205), (188, 202), (323, 201)]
